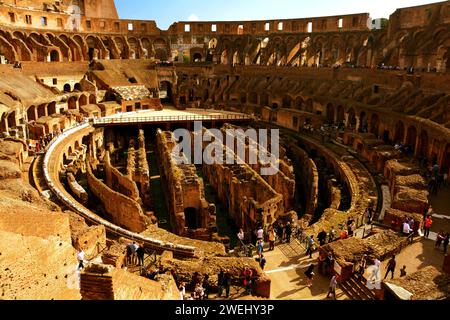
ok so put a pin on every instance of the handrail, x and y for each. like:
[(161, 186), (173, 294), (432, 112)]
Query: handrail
[(171, 118)]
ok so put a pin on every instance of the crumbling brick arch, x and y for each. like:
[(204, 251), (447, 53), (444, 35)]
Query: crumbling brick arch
[(92, 99), (309, 105), (340, 114), (337, 53), (276, 52), (318, 55), (287, 101), (83, 100), (19, 35), (54, 56), (136, 51), (67, 87), (80, 43), (196, 54), (96, 48), (72, 103), (7, 50), (31, 113), (330, 113), (351, 118), (352, 46), (51, 108), (147, 48), (374, 126), (123, 46), (161, 48), (42, 110), (399, 133), (253, 97), (363, 122), (63, 48), (264, 99), (299, 103), (411, 137)]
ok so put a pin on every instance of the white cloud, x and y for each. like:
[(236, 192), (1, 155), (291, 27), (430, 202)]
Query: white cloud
[(193, 17)]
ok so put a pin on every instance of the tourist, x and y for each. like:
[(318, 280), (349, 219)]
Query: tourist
[(445, 179), (391, 267), (332, 288), (329, 263), (406, 229), (182, 289), (362, 265), (260, 247), (140, 252), (131, 253), (403, 272), (80, 258), (288, 232), (241, 237), (220, 283), (280, 232), (310, 246), (309, 273), (428, 224), (322, 237), (260, 233), (446, 241), (440, 238), (344, 234), (248, 273), (331, 235), (271, 238), (262, 262), (412, 224)]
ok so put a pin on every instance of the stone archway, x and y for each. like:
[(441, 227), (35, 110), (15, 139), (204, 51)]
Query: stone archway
[(351, 118), (375, 124), (363, 125), (298, 103), (340, 114), (411, 137), (330, 113), (287, 101), (54, 56), (423, 144), (399, 135), (190, 217)]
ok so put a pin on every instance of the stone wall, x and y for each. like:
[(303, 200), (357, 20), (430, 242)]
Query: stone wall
[(91, 239), (249, 198), (124, 211), (283, 181), (408, 188), (185, 189), (118, 182), (308, 175)]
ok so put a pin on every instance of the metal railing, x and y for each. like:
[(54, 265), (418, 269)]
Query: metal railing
[(159, 119)]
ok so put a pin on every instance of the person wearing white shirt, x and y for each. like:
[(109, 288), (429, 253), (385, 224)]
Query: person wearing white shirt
[(260, 234), (406, 229), (80, 258)]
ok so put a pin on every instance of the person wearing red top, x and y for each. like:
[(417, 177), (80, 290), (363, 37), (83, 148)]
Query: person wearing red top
[(428, 224)]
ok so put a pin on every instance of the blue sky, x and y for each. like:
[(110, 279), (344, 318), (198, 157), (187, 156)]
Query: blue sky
[(169, 11)]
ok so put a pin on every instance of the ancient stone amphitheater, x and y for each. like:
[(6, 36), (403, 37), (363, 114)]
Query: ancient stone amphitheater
[(88, 108)]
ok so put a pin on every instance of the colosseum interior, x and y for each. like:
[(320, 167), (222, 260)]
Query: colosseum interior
[(89, 109)]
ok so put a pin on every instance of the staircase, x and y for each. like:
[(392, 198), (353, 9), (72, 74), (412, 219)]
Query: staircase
[(355, 288)]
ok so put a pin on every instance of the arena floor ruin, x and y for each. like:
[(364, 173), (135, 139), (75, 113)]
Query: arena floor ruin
[(90, 115)]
